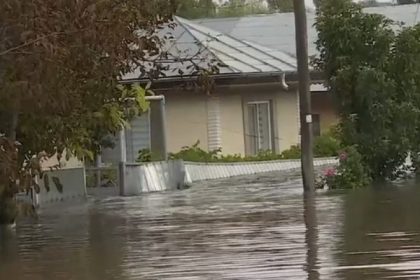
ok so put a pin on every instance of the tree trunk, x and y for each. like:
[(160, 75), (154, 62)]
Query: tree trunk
[(14, 120)]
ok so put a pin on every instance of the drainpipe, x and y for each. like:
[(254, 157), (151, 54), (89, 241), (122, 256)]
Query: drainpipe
[(284, 84)]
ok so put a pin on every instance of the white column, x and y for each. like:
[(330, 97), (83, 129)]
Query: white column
[(214, 131)]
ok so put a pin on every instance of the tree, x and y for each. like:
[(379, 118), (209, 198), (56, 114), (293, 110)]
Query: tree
[(61, 69), (193, 9), (405, 57), (61, 62), (371, 71), (283, 6), (405, 2), (369, 3), (317, 3), (239, 8)]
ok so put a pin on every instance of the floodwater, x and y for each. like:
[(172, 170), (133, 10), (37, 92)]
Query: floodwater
[(249, 228)]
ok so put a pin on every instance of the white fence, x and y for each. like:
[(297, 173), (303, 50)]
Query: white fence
[(211, 171), (62, 185), (171, 175), (156, 176)]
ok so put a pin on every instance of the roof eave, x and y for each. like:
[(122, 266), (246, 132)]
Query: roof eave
[(230, 79)]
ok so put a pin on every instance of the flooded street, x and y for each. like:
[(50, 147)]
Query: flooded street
[(249, 228)]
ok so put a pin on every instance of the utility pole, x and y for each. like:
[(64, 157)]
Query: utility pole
[(304, 96)]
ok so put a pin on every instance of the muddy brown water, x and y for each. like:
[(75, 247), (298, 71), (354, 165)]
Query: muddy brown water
[(248, 228)]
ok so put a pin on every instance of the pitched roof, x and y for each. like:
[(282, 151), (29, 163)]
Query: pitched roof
[(189, 44), (277, 31)]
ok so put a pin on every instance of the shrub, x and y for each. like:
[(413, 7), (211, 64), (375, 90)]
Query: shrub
[(294, 152), (326, 146), (350, 173), (195, 154), (261, 156), (144, 155)]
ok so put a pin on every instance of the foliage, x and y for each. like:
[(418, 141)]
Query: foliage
[(372, 72), (326, 145), (405, 2), (261, 156), (294, 152), (196, 154), (60, 69), (60, 65), (406, 73), (193, 9), (350, 173), (146, 155), (14, 178), (283, 6), (109, 177), (240, 8)]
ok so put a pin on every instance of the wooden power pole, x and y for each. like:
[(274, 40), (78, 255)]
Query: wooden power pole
[(304, 95)]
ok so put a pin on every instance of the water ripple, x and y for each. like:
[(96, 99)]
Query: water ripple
[(247, 228)]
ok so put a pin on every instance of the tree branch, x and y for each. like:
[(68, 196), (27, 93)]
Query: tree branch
[(37, 40)]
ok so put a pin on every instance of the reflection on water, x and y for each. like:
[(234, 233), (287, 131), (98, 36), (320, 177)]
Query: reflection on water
[(252, 228)]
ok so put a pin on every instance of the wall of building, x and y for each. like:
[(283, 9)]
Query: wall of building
[(232, 124), (186, 120), (287, 120), (187, 117), (323, 104)]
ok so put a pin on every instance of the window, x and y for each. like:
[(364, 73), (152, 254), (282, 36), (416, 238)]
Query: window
[(259, 130)]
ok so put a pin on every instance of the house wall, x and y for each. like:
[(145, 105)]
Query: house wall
[(186, 120), (323, 104), (187, 117), (232, 124), (190, 116), (287, 120)]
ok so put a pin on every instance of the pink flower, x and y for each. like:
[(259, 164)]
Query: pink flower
[(343, 156), (330, 172)]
